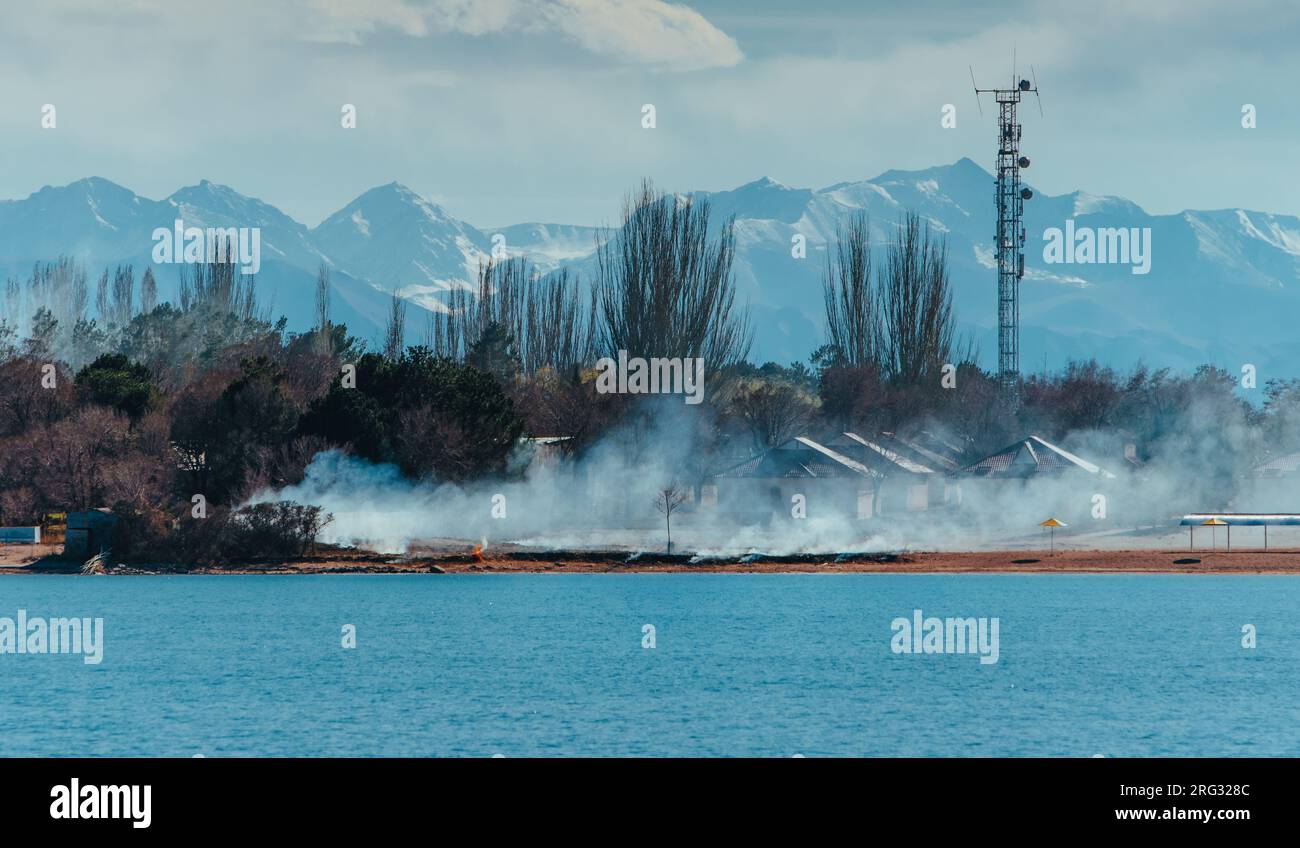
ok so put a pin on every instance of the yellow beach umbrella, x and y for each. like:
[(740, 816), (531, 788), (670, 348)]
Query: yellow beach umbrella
[(1053, 523), (1218, 522)]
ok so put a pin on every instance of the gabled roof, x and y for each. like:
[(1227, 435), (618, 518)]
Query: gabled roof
[(800, 457), (936, 454), (936, 444), (1279, 466), (836, 456), (877, 453), (1030, 457), (549, 440)]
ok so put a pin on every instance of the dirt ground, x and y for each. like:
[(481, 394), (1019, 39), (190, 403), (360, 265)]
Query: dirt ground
[(18, 556), (453, 556), (456, 557), (1151, 561)]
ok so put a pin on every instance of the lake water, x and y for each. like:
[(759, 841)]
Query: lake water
[(757, 665)]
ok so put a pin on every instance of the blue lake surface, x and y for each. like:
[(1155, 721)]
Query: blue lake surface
[(744, 665)]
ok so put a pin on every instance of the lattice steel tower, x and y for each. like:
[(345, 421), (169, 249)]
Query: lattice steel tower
[(1010, 236)]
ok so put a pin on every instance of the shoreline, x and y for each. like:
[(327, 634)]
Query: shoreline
[(1134, 561)]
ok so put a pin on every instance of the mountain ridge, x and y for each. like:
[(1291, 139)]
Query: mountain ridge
[(1224, 284)]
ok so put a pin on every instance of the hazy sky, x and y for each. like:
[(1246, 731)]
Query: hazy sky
[(525, 110)]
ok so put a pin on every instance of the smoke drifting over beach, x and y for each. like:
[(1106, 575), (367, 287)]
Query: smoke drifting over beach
[(605, 499)]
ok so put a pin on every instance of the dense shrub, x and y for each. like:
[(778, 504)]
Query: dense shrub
[(114, 381), (431, 416), (265, 531)]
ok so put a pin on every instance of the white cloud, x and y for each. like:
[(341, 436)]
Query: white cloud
[(649, 32), (347, 20), (477, 17), (507, 108)]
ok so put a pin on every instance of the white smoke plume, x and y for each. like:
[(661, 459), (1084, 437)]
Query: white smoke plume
[(605, 500)]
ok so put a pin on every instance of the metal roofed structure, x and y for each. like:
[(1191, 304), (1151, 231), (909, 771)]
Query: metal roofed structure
[(800, 457), (1279, 466), (932, 450), (1030, 457), (1237, 519), (796, 475), (881, 452), (911, 478), (1243, 519)]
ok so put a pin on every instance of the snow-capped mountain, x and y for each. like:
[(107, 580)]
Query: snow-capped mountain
[(103, 224), (1223, 286), (547, 246), (283, 239), (401, 242), (88, 217)]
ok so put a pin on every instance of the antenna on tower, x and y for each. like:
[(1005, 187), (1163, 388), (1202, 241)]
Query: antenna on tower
[(1037, 97), (977, 90), (1010, 197)]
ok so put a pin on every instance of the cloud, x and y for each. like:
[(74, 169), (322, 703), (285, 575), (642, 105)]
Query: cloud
[(248, 93), (647, 32), (478, 17), (347, 20)]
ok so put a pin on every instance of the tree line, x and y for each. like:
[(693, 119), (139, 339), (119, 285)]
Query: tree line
[(148, 403)]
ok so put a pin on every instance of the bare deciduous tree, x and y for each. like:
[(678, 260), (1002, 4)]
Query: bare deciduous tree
[(220, 287), (123, 300), (667, 500), (60, 287), (148, 292), (323, 310), (853, 324), (665, 287), (541, 316), (774, 412), (916, 305), (558, 329), (101, 297), (395, 332), (13, 298)]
